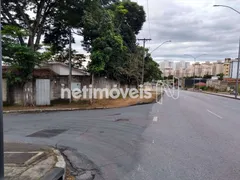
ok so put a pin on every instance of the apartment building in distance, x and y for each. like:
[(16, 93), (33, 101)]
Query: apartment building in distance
[(167, 67), (181, 68), (188, 72), (226, 67), (168, 72), (186, 69), (207, 68), (217, 68), (197, 69)]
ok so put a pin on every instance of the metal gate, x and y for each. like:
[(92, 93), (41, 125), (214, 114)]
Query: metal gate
[(42, 92)]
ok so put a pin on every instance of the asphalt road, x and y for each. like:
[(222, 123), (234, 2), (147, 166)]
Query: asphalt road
[(194, 137)]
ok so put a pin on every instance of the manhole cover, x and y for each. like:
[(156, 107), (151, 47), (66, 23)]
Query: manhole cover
[(117, 114), (47, 133), (120, 120)]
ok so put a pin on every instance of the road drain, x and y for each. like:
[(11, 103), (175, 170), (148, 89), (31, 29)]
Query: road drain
[(121, 120), (47, 133), (117, 114)]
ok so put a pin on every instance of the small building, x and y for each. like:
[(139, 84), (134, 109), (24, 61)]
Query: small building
[(233, 67), (226, 67), (46, 84)]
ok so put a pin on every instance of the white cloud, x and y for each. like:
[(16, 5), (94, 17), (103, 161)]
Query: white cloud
[(194, 26)]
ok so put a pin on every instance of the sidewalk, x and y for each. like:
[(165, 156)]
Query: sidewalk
[(222, 95), (32, 162)]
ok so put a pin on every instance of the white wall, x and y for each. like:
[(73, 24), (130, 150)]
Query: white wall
[(233, 68)]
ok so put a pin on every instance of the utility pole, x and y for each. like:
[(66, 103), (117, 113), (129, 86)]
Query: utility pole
[(238, 60), (1, 107), (70, 65), (238, 65), (144, 44)]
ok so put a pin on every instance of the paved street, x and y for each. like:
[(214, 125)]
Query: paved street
[(195, 137)]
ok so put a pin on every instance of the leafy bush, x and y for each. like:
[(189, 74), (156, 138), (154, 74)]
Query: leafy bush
[(204, 88)]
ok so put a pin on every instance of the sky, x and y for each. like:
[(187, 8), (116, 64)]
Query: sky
[(195, 27)]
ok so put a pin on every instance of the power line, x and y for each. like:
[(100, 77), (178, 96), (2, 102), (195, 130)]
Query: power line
[(149, 22)]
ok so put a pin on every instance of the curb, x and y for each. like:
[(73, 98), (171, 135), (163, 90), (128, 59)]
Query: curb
[(55, 174), (70, 109), (59, 170), (44, 110), (221, 95)]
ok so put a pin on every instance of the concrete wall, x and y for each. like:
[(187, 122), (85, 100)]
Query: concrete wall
[(62, 82), (101, 82), (17, 95), (4, 90), (27, 94), (23, 95), (217, 84)]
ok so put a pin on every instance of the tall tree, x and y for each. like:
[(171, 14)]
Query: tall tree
[(41, 17), (115, 63), (129, 19), (18, 13), (20, 58), (152, 71), (107, 45)]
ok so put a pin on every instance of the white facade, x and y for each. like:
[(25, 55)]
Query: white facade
[(86, 61), (162, 65), (166, 67), (168, 72), (233, 70), (180, 65), (187, 65), (171, 64)]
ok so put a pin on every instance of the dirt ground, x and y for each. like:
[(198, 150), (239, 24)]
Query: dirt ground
[(103, 103)]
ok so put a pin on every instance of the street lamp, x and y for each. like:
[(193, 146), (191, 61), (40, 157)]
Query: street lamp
[(238, 64), (150, 53), (160, 46), (195, 58), (216, 5), (1, 108)]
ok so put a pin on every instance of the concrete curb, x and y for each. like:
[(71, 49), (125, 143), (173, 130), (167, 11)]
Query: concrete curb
[(59, 170), (221, 95), (55, 174), (49, 110), (69, 109)]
